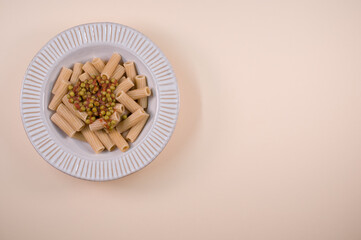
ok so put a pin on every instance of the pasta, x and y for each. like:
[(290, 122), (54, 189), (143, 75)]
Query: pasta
[(136, 129), (129, 103), (118, 72), (81, 115), (130, 70), (141, 82), (90, 69), (119, 108), (84, 77), (92, 103), (105, 139), (62, 124), (139, 93), (64, 75), (119, 140), (111, 65), (59, 94), (77, 70), (132, 120), (92, 139), (97, 125), (124, 86), (74, 122), (98, 64)]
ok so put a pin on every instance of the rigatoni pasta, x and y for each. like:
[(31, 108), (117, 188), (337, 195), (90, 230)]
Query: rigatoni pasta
[(96, 105)]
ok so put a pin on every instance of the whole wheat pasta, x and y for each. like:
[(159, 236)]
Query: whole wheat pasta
[(81, 115), (136, 129), (111, 65), (79, 136), (124, 86), (128, 103), (77, 70), (92, 139), (64, 75), (132, 120), (59, 94), (105, 139), (119, 108), (74, 121), (118, 72), (97, 125), (139, 93), (141, 82), (130, 70), (118, 140), (115, 117), (90, 69), (84, 76), (62, 124), (98, 64)]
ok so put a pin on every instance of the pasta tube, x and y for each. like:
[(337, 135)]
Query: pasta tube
[(98, 64), (64, 75), (139, 93), (129, 103), (90, 69), (105, 139), (130, 70), (92, 139), (77, 70), (124, 86), (141, 82), (119, 108), (111, 65), (63, 124), (62, 90), (74, 122), (119, 140), (136, 129), (84, 77), (132, 120), (97, 125), (118, 72), (81, 115)]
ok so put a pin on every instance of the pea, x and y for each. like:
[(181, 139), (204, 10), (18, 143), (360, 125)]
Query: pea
[(96, 104), (82, 108), (106, 117), (108, 95), (107, 81), (68, 96), (112, 95), (102, 112), (111, 128), (104, 77), (90, 113), (91, 105), (103, 99), (113, 80), (101, 107), (87, 121), (113, 122), (94, 109), (92, 118), (109, 91), (108, 113), (70, 87), (72, 94), (82, 85), (99, 78), (110, 99), (91, 86), (112, 88), (92, 76)]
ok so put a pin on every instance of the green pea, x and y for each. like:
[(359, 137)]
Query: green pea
[(99, 78), (92, 118), (107, 81), (124, 117), (70, 87), (106, 117), (107, 95), (91, 105), (104, 77), (92, 76), (96, 104), (94, 109), (82, 108), (102, 112), (109, 91), (108, 113), (112, 104), (113, 122), (71, 100), (101, 107), (103, 99), (82, 85), (81, 93), (68, 96), (112, 80), (110, 99), (112, 95), (87, 121), (72, 94), (90, 113), (112, 88)]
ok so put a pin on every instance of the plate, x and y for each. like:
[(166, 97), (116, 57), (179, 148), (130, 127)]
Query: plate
[(80, 44)]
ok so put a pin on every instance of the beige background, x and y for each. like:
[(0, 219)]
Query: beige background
[(268, 142)]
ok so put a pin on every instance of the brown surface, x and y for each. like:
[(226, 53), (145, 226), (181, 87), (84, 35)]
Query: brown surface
[(268, 142)]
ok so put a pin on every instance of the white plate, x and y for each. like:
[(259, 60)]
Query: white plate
[(80, 44)]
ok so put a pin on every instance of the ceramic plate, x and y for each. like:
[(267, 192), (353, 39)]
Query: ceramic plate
[(81, 44)]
